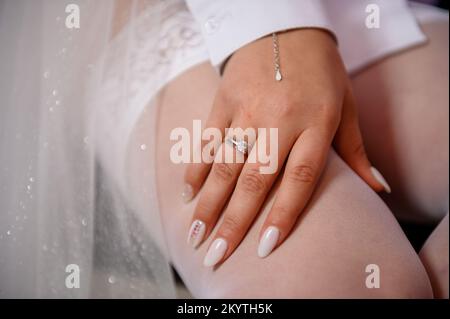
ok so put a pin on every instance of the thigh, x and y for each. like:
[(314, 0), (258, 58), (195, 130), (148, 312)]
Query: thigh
[(345, 227), (403, 102)]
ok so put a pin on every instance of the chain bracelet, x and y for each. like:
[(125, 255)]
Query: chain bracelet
[(276, 57)]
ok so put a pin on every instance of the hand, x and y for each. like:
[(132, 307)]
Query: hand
[(312, 106)]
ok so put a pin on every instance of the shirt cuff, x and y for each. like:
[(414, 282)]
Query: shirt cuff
[(228, 25)]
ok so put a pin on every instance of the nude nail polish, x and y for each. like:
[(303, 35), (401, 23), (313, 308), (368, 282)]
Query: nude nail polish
[(215, 252), (188, 193), (268, 241), (380, 179), (196, 233)]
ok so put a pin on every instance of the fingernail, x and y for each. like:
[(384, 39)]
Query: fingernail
[(196, 233), (215, 252), (268, 241), (380, 179), (188, 193)]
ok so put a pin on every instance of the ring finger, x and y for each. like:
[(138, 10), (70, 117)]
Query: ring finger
[(220, 182)]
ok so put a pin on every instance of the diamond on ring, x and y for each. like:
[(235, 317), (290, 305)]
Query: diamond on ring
[(240, 145)]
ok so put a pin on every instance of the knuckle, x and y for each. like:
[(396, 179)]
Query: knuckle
[(231, 225), (329, 113), (359, 150), (281, 216), (243, 109), (204, 209), (331, 124), (253, 182), (246, 111), (223, 172), (304, 173)]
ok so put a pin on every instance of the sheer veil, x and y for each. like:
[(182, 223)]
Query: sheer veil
[(64, 201)]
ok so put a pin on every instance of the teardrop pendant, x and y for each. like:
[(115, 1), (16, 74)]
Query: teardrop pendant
[(278, 75)]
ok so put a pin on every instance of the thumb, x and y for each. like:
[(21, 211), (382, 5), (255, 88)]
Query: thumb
[(349, 144)]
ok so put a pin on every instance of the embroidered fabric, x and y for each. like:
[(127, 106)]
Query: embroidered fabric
[(159, 44)]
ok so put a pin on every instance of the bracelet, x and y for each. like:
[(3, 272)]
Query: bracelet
[(276, 57)]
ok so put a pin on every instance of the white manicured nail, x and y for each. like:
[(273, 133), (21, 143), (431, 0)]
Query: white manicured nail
[(196, 233), (268, 241), (380, 179), (215, 252), (188, 193)]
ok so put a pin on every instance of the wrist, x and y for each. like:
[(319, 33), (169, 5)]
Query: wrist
[(291, 42)]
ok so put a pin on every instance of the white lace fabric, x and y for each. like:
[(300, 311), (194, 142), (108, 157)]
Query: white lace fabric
[(161, 43)]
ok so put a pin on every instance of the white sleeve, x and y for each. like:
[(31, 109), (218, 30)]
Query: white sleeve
[(228, 25)]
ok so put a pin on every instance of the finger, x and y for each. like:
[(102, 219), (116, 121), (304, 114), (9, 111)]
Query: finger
[(211, 139), (219, 185), (251, 191), (350, 146), (303, 169)]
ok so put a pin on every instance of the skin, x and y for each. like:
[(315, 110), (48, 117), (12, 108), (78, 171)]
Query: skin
[(312, 106), (346, 225)]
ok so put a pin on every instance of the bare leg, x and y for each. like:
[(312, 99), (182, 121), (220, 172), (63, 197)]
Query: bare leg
[(403, 103), (345, 228)]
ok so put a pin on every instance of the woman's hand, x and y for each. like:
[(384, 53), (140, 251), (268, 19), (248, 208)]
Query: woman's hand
[(311, 107)]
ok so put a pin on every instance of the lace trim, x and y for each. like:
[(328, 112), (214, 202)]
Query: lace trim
[(155, 47)]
